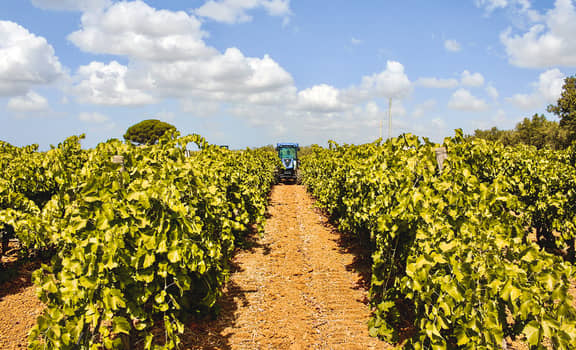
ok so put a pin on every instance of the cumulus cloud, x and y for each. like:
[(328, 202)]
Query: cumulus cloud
[(321, 98), (230, 76), (472, 79), (139, 31), (168, 58), (463, 100), (235, 11), (105, 84), (26, 60), (31, 102), (550, 42), (452, 45), (547, 90), (492, 92), (71, 5), (437, 83), (491, 5), (390, 83)]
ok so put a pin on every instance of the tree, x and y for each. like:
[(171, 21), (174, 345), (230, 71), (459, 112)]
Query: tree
[(565, 108), (147, 131), (536, 131)]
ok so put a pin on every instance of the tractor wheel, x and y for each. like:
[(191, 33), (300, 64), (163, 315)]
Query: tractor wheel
[(298, 178)]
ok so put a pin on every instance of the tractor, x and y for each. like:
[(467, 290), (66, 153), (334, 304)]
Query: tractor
[(288, 154)]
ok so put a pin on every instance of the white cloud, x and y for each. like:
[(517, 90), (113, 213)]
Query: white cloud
[(321, 98), (492, 92), (499, 120), (168, 58), (472, 79), (549, 43), (463, 100), (97, 121), (452, 45), (199, 108), (547, 90), (235, 11), (491, 5), (26, 60), (71, 5), (105, 84), (437, 83), (424, 108), (524, 101), (227, 77), (550, 85), (31, 102), (93, 118), (439, 123), (139, 31), (390, 83), (398, 109)]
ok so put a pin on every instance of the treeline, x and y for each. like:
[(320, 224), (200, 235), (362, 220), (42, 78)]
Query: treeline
[(538, 131)]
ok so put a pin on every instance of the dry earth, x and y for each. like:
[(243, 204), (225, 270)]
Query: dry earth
[(301, 286), (19, 306)]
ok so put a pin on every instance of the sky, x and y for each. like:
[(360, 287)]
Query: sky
[(247, 73)]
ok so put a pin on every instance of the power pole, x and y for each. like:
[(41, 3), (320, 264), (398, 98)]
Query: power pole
[(389, 117)]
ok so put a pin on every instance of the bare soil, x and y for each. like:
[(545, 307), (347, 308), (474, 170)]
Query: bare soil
[(19, 306), (301, 286)]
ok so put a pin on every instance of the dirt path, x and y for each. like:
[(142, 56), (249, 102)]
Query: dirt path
[(300, 287), (19, 306)]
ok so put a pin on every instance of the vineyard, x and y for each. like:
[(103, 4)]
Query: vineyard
[(454, 260), (135, 243), (468, 252)]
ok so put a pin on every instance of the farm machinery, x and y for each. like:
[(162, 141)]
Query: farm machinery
[(288, 154)]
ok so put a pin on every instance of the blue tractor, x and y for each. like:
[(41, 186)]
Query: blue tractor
[(288, 154)]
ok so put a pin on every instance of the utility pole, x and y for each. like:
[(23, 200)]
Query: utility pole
[(389, 117)]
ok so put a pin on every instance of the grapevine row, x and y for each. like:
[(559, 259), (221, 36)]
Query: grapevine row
[(140, 244), (453, 265)]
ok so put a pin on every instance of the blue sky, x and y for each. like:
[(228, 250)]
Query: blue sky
[(255, 72)]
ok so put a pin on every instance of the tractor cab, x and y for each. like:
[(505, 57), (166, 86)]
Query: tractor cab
[(288, 154)]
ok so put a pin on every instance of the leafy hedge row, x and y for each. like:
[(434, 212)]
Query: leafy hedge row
[(137, 243), (544, 181), (453, 266)]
